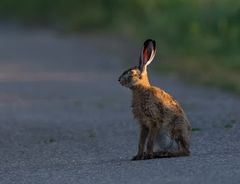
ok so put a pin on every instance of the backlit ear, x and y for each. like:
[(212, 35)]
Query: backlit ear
[(147, 54)]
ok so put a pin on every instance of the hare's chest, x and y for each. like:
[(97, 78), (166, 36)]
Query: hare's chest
[(143, 109)]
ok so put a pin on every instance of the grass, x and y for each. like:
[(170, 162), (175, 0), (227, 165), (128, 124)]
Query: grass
[(196, 129), (49, 141), (199, 40), (203, 70), (228, 126)]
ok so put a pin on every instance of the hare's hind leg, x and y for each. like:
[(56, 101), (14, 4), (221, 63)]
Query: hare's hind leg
[(184, 145), (183, 149), (181, 136), (141, 145)]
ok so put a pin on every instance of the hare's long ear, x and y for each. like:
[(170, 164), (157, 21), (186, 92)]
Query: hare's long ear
[(147, 54)]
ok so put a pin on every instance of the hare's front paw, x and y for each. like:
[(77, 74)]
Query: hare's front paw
[(138, 157)]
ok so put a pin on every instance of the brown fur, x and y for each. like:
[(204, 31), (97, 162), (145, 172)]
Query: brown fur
[(156, 112)]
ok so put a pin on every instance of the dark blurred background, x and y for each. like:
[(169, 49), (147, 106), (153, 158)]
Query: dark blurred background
[(197, 39)]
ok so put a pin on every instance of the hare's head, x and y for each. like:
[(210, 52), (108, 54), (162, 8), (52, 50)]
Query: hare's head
[(137, 75)]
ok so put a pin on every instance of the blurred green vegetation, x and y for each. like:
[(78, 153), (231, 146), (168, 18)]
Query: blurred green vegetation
[(199, 39)]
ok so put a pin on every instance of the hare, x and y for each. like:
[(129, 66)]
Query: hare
[(162, 120)]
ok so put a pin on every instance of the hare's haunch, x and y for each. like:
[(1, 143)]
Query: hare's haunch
[(162, 120)]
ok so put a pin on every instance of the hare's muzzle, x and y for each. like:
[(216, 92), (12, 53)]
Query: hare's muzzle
[(121, 80)]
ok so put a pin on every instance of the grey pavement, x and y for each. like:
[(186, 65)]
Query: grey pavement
[(65, 119)]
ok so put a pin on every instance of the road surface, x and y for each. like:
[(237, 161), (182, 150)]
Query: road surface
[(65, 119)]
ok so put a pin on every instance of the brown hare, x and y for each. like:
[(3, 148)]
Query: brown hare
[(162, 120)]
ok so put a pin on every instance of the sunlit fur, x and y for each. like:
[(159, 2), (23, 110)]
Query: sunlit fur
[(161, 118), (133, 77)]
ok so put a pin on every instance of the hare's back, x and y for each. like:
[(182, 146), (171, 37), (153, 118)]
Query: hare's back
[(172, 109), (160, 96)]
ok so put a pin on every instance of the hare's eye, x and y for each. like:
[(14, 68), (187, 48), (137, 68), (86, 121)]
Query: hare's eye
[(132, 72)]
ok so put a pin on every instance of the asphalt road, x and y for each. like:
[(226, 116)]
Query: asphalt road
[(65, 119)]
